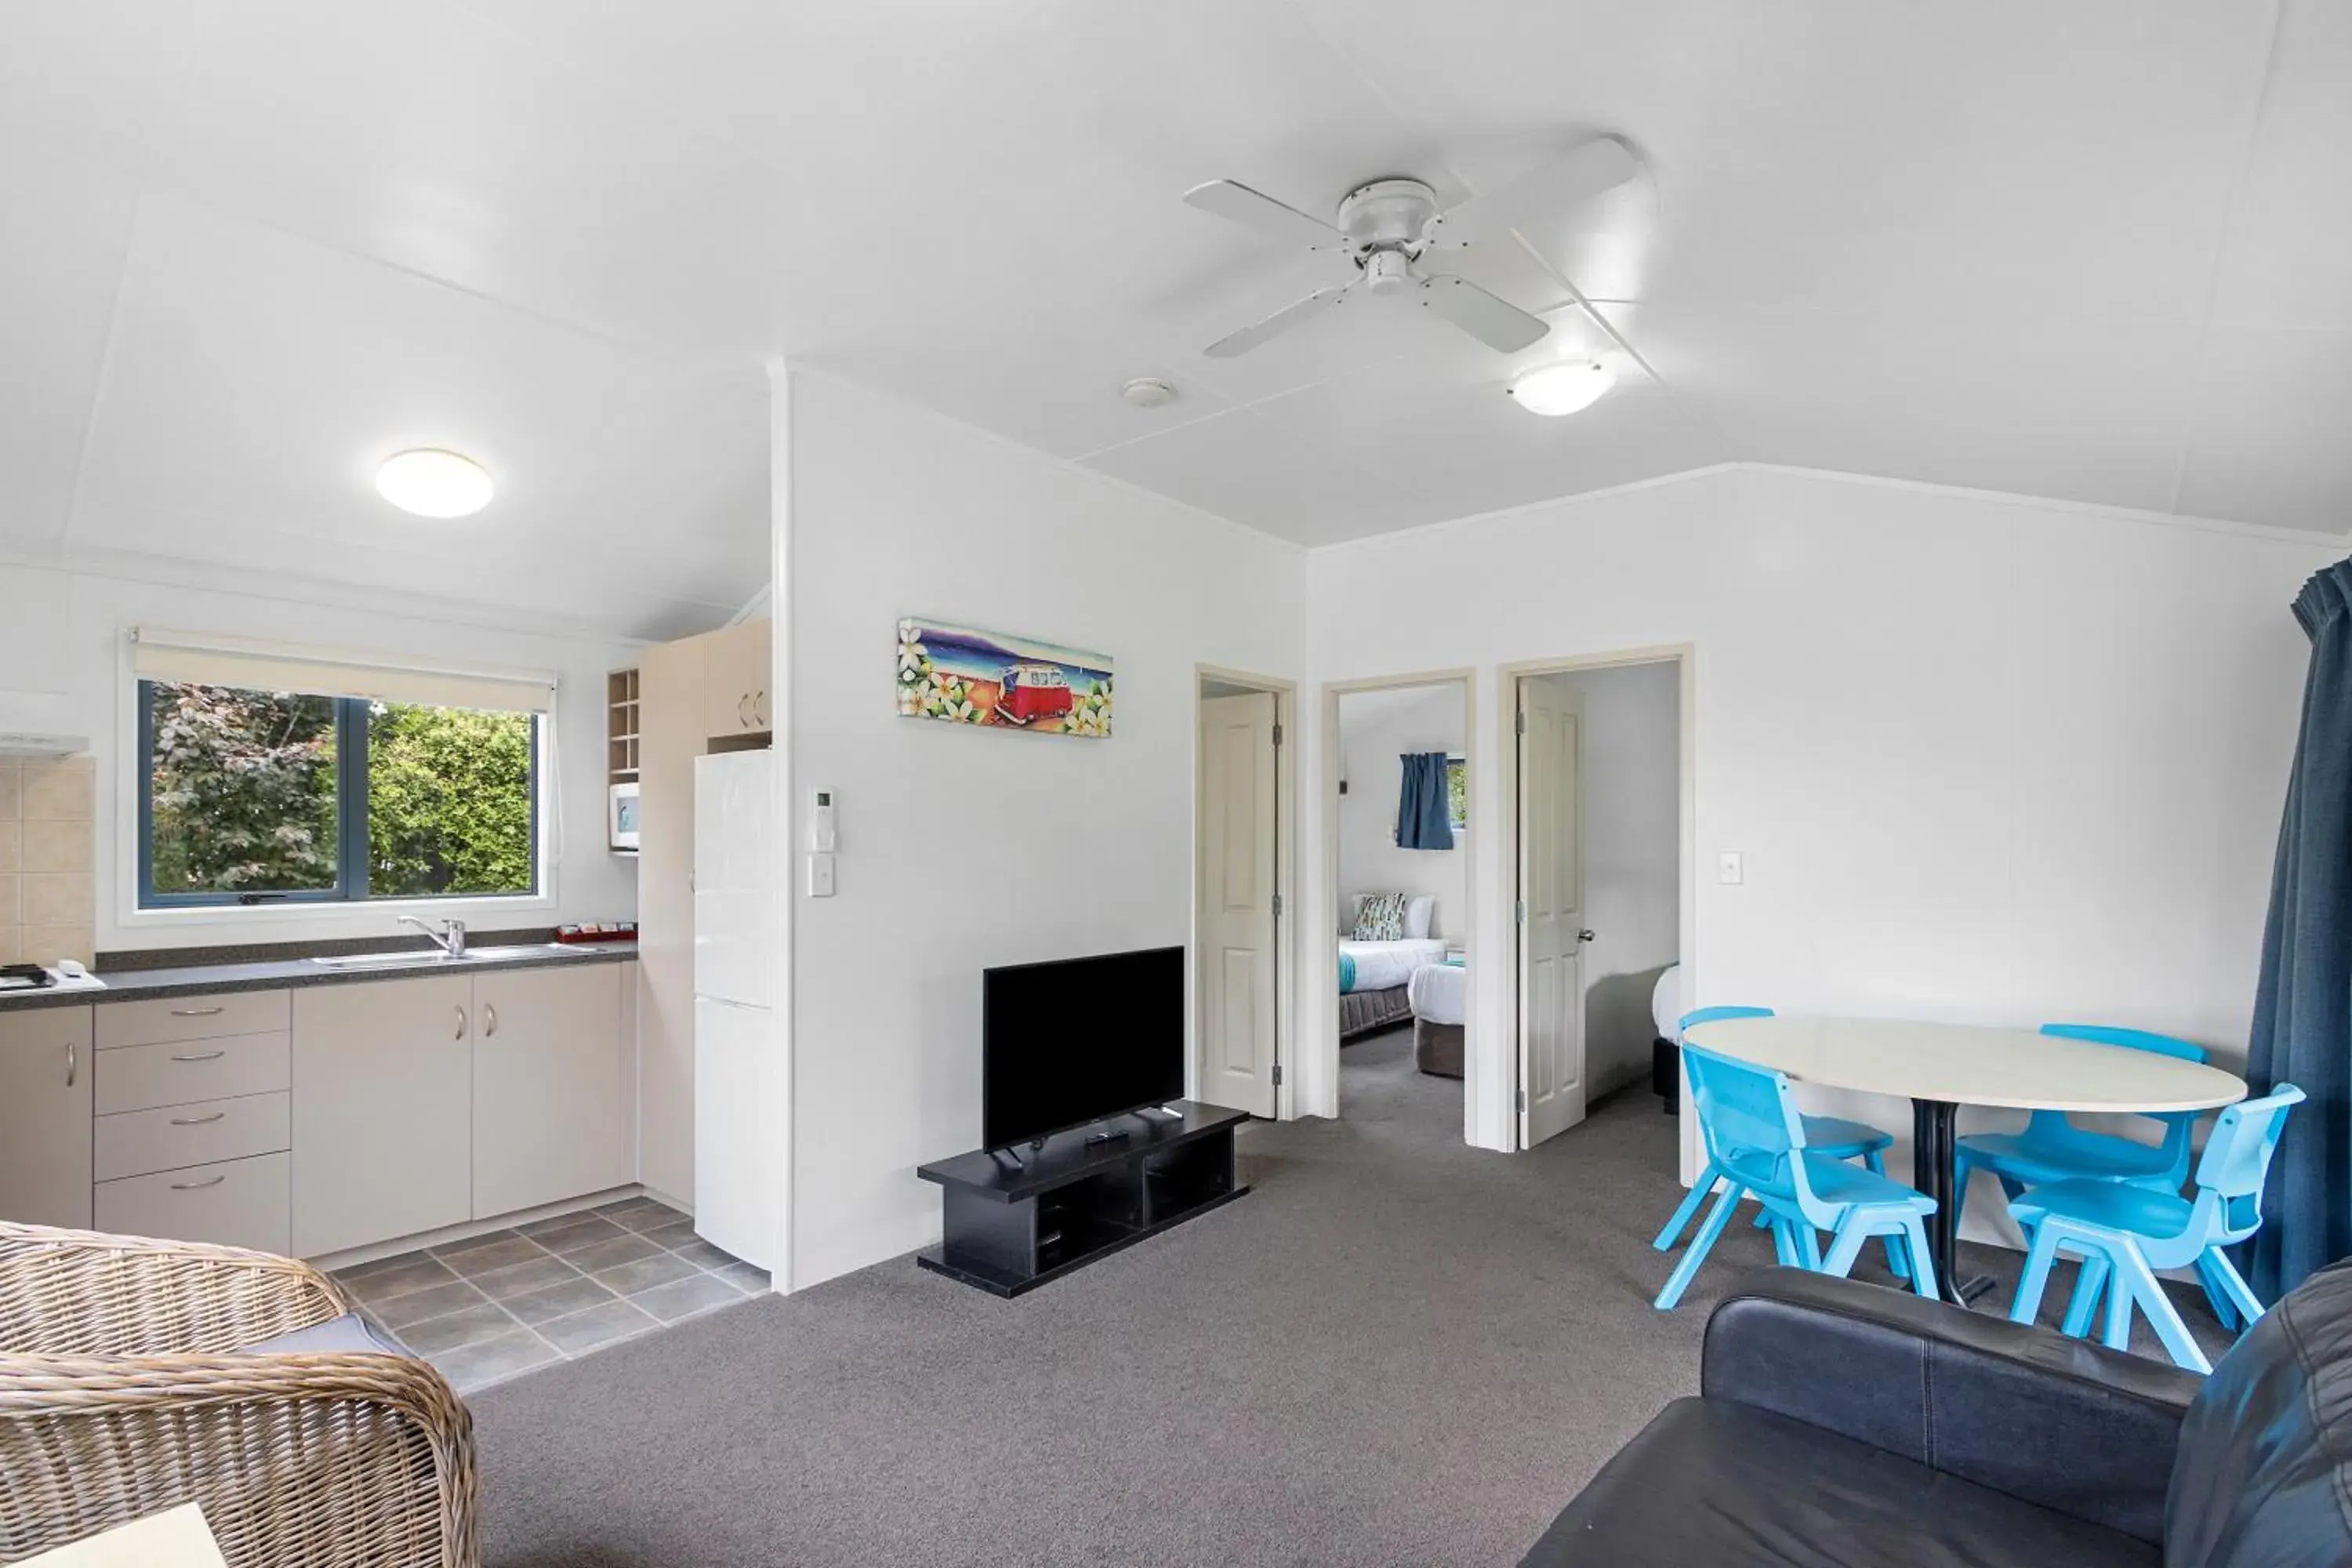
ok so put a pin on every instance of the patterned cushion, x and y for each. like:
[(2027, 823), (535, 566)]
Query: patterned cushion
[(1380, 918)]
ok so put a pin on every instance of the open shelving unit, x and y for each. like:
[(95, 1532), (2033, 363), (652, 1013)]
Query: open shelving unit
[(621, 728)]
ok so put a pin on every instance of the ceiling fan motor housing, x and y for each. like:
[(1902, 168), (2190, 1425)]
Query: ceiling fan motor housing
[(1388, 214)]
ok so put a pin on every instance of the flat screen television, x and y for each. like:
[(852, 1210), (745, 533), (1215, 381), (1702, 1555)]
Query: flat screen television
[(1074, 1041)]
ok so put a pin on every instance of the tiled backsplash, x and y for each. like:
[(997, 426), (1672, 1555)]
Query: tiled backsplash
[(47, 846)]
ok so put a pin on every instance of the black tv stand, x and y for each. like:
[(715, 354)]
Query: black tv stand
[(1077, 1199)]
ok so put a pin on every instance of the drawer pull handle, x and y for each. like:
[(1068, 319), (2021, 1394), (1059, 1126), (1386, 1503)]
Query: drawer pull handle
[(192, 1186), (196, 1012), (201, 1057), (197, 1121)]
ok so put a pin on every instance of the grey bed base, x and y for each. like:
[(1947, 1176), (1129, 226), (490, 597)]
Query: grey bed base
[(1369, 1012)]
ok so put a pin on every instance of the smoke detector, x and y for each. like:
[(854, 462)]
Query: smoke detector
[(1148, 392)]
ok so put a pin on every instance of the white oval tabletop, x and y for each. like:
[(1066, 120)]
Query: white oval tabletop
[(1970, 1064)]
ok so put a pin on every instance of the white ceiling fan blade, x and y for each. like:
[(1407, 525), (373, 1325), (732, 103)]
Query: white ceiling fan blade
[(1231, 199), (1281, 322), (1498, 323), (1601, 165)]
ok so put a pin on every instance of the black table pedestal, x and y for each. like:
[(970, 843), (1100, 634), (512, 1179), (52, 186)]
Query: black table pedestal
[(1932, 1123)]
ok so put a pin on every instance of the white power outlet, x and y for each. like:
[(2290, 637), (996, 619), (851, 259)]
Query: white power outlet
[(1727, 868)]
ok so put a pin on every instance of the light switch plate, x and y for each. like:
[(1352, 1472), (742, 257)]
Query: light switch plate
[(819, 876), (1728, 868)]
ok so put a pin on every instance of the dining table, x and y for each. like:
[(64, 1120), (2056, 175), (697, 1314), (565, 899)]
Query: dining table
[(1940, 1067)]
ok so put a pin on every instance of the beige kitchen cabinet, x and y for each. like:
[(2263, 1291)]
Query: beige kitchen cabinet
[(546, 1100), (382, 1107), (233, 1202), (46, 1073), (672, 678), (739, 672)]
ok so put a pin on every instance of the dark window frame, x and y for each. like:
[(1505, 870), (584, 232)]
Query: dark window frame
[(351, 822)]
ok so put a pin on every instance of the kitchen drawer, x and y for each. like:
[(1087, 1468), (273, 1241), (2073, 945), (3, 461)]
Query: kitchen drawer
[(239, 1203), (139, 1077), (177, 1136), (193, 1018)]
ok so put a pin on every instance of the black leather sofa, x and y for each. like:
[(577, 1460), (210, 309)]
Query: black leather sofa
[(1845, 1424)]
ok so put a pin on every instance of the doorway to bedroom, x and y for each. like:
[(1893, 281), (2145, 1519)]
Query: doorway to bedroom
[(1402, 901), (1598, 804)]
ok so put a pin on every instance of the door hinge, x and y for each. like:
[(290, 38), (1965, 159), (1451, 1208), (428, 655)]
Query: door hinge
[(1277, 1075), (1519, 723), (1277, 906), (1523, 1099), (1277, 734)]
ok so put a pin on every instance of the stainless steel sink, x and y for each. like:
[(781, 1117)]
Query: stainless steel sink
[(413, 958), (531, 950)]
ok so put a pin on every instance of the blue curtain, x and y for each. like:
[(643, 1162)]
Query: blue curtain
[(1423, 820), (2303, 1009)]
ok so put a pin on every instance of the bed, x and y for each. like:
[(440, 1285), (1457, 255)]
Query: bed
[(1438, 997), (1373, 977)]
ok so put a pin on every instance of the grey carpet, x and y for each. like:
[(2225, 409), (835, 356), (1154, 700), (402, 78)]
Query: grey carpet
[(1396, 1349)]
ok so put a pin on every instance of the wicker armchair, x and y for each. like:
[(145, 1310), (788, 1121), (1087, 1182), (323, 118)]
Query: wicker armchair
[(121, 1396)]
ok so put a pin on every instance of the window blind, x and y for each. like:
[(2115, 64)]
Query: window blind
[(213, 659)]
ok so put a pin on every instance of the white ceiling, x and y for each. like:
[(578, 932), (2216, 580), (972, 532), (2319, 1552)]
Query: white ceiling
[(2092, 251)]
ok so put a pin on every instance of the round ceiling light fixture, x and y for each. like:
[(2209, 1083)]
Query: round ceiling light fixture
[(1148, 392), (1563, 388), (429, 483)]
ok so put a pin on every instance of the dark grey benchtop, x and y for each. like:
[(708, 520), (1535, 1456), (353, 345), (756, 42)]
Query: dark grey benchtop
[(132, 984)]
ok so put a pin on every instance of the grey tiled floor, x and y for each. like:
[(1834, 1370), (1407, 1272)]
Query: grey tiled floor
[(491, 1307)]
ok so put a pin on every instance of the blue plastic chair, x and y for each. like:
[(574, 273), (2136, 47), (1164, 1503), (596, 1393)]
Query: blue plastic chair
[(1755, 1137), (2125, 1232), (2053, 1148), (1831, 1136)]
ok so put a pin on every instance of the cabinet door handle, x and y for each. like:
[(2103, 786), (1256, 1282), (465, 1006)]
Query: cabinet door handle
[(197, 1121), (489, 1019), (73, 1062), (758, 708), (741, 703), (461, 1025), (196, 1012), (201, 1057), (194, 1186)]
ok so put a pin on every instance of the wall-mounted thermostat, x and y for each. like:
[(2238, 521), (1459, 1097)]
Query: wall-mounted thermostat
[(824, 838)]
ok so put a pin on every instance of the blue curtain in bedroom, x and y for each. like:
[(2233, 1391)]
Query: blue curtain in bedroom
[(2303, 1008), (1423, 820)]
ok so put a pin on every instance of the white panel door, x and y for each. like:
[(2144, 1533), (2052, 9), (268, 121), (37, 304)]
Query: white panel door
[(1551, 910), (1236, 895)]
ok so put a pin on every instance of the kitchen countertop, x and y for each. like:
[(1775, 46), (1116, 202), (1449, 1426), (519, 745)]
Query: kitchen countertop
[(137, 984)]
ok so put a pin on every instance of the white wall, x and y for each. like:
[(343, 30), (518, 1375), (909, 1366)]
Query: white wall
[(1986, 758), (62, 641), (1376, 729), (964, 848), (1632, 859)]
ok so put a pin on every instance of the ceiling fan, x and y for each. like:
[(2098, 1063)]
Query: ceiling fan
[(1387, 226)]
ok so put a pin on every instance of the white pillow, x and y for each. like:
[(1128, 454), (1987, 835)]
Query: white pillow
[(1418, 913)]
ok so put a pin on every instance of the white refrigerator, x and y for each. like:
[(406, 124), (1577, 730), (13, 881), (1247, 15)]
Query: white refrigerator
[(737, 1157)]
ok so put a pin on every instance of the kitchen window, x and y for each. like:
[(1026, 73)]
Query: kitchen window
[(253, 792)]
